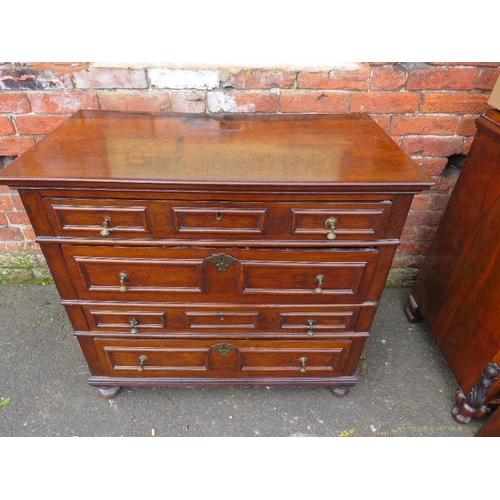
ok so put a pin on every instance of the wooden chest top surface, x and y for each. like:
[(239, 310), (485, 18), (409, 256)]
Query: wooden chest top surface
[(104, 149)]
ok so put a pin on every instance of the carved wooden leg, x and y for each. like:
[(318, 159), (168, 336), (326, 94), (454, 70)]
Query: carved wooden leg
[(108, 392), (412, 311), (471, 405), (340, 392)]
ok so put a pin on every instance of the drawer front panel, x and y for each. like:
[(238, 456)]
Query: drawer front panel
[(110, 219), (210, 358), (260, 320), (166, 275), (99, 218), (130, 320), (222, 221), (341, 221)]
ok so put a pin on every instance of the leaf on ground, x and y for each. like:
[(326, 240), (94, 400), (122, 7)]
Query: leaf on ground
[(4, 401)]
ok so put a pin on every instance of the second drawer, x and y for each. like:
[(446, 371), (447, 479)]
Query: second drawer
[(232, 275)]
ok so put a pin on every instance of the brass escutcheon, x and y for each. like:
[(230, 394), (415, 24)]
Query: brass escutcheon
[(221, 261), (224, 348)]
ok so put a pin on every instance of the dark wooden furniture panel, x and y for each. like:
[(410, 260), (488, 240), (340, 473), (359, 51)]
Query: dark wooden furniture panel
[(458, 289), (218, 250), (283, 320)]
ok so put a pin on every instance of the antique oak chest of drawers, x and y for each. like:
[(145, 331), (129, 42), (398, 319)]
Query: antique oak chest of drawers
[(211, 250)]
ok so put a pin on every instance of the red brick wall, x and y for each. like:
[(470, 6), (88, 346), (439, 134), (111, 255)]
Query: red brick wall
[(427, 108)]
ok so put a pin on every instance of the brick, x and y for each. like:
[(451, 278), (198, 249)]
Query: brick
[(38, 124), (453, 102), (3, 219), (467, 125), (468, 145), (59, 68), (14, 146), (384, 102), (135, 101), (422, 218), (6, 126), (414, 247), (10, 233), (432, 165), (313, 102), (183, 78), (432, 146), (241, 102), (25, 78), (446, 182), (18, 218), (420, 201), (6, 203), (354, 77), (487, 79), (16, 200), (480, 64), (112, 78), (28, 234), (433, 78), (426, 233), (62, 102), (423, 125), (388, 78), (438, 201), (258, 79), (399, 261), (383, 121), (14, 102), (188, 102)]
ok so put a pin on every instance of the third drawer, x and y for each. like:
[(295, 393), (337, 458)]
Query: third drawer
[(301, 321)]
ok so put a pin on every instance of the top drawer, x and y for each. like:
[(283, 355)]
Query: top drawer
[(160, 219)]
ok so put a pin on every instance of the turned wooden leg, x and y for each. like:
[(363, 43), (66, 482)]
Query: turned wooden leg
[(471, 405), (108, 392), (412, 311), (340, 392)]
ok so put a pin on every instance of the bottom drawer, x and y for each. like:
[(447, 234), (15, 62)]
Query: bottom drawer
[(230, 358)]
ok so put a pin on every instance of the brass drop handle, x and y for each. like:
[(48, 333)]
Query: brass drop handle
[(310, 323), (319, 278), (331, 223), (133, 325), (303, 361), (105, 231), (123, 276), (142, 360), (218, 216)]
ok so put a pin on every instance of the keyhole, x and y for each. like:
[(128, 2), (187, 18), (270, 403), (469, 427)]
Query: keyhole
[(218, 216)]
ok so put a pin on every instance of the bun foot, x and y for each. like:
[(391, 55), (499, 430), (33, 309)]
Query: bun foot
[(340, 392), (108, 392)]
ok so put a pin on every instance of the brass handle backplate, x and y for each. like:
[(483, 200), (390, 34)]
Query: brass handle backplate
[(319, 278), (142, 360), (303, 361), (105, 230), (331, 223), (123, 276), (133, 325), (310, 323)]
